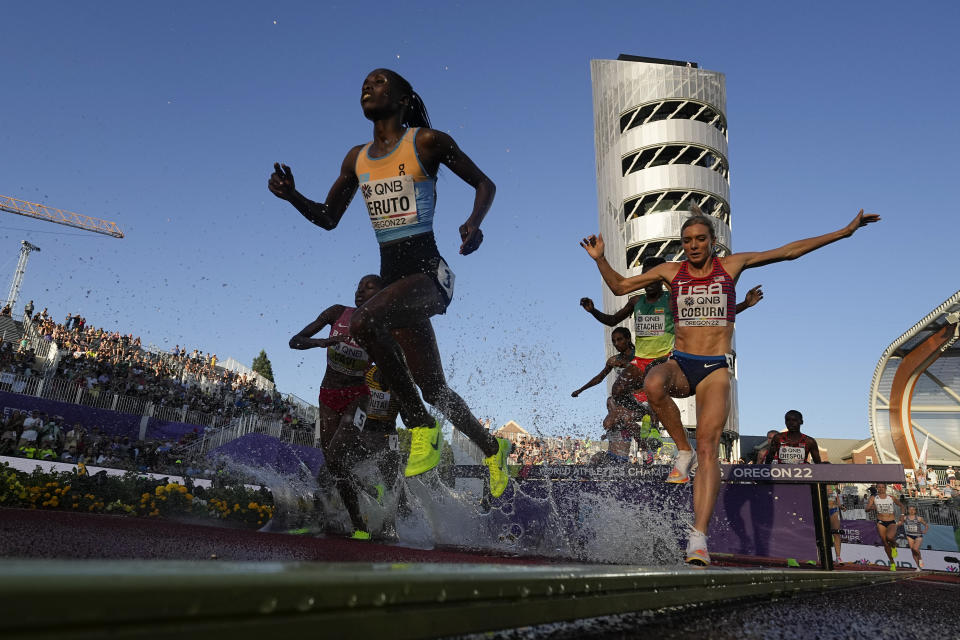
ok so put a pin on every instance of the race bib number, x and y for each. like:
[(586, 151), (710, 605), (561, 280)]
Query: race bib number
[(359, 419), (883, 506), (792, 455), (701, 305), (347, 358), (379, 402), (445, 278), (391, 202), (650, 325)]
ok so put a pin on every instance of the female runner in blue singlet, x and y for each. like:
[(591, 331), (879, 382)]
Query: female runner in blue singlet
[(396, 174), (703, 300)]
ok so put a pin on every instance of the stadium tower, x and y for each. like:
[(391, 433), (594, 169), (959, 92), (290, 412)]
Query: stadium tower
[(661, 142)]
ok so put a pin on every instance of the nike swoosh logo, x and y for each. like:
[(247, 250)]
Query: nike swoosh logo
[(436, 442), (710, 366)]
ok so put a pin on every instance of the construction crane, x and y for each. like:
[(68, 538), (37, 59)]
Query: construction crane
[(59, 216), (50, 214), (25, 249)]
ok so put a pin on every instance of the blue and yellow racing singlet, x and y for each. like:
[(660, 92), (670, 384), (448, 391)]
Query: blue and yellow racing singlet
[(399, 194)]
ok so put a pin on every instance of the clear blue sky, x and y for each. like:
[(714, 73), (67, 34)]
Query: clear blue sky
[(167, 117)]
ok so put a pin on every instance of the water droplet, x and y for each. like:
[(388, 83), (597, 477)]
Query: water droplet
[(442, 596), (306, 603), (352, 600), (380, 599), (524, 592)]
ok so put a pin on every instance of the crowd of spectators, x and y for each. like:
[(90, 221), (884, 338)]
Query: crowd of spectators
[(37, 435), (529, 449), (17, 360), (105, 361), (533, 450)]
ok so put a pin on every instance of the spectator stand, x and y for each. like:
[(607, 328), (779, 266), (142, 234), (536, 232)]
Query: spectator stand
[(92, 367)]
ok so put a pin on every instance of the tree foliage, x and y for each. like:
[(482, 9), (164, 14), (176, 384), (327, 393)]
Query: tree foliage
[(261, 364)]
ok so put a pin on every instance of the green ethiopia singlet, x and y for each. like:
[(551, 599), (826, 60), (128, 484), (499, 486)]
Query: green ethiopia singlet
[(653, 326)]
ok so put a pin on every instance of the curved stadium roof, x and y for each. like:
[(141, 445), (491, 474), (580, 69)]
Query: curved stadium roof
[(916, 392)]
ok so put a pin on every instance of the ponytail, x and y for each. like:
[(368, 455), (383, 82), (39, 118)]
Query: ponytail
[(415, 115)]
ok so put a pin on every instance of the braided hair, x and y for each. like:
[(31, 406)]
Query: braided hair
[(415, 113)]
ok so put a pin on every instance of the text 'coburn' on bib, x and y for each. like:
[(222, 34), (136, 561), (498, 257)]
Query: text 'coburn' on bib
[(701, 305), (708, 301)]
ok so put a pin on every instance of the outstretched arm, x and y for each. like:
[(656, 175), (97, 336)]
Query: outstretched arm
[(619, 285), (739, 261), (753, 296), (438, 147), (304, 338), (327, 214), (594, 381), (606, 318)]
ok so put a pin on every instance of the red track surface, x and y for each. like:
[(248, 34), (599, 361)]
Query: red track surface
[(27, 533)]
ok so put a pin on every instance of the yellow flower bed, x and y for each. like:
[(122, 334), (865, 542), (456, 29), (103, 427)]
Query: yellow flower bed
[(131, 495)]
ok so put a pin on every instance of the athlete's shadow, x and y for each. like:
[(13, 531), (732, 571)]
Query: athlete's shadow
[(749, 513)]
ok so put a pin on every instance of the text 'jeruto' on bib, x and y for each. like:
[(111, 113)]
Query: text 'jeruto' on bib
[(391, 202)]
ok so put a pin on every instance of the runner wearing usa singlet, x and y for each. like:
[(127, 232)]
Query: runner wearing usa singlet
[(704, 299), (914, 527), (793, 447), (882, 504), (653, 335), (396, 174), (343, 384)]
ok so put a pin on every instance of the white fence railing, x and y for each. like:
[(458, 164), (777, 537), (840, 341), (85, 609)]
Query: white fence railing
[(213, 438)]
